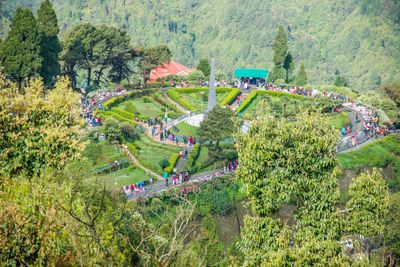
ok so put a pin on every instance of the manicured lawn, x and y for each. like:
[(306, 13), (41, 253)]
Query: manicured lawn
[(153, 152), (103, 153), (199, 98), (185, 129), (126, 176), (149, 109), (338, 120)]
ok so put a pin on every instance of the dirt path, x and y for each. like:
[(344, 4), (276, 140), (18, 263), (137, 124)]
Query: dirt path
[(135, 161), (235, 104), (182, 109)]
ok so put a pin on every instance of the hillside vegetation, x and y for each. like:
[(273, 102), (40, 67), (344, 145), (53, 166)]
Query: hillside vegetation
[(358, 39)]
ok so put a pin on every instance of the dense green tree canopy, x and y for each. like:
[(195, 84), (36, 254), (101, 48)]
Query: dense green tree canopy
[(204, 67), (369, 203), (49, 44), (217, 125), (20, 51), (301, 78), (38, 129), (151, 58)]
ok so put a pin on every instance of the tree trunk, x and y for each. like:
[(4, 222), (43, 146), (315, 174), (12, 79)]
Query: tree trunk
[(89, 77)]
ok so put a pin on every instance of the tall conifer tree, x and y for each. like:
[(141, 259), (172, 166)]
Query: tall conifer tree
[(301, 78), (20, 53), (50, 45), (280, 52)]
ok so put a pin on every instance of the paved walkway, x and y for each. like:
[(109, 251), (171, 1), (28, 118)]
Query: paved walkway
[(160, 186)]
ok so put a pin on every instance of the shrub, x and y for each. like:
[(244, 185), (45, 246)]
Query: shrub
[(123, 113), (230, 98), (173, 94), (112, 130), (193, 156), (130, 95), (172, 160), (129, 132), (164, 163), (197, 75)]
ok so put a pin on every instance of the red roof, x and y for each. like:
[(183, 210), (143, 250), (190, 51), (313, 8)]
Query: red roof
[(166, 69)]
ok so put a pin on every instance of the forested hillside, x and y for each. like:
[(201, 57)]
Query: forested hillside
[(359, 39)]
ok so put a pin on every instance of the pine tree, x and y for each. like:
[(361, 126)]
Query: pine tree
[(288, 65), (301, 78), (50, 45), (341, 81), (205, 67), (20, 53), (280, 52)]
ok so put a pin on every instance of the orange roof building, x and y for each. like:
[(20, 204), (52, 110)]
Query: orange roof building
[(169, 68)]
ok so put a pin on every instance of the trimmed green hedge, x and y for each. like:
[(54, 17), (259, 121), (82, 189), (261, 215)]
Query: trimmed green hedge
[(172, 162), (230, 98), (174, 95), (123, 113), (255, 93), (193, 156), (118, 99)]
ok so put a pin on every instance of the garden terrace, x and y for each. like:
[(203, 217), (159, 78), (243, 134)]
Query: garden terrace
[(196, 99)]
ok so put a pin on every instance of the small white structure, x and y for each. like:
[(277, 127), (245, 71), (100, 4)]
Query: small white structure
[(195, 120)]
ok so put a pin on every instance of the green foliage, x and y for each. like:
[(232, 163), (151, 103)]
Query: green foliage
[(217, 125), (123, 113), (20, 51), (277, 74), (112, 130), (118, 99), (204, 67), (95, 49), (340, 81), (368, 204), (340, 90), (172, 160), (151, 58), (164, 163), (280, 47), (193, 156), (301, 78), (378, 101), (174, 95), (358, 41), (39, 129), (392, 230), (50, 45), (253, 94), (231, 97), (288, 65), (220, 75), (284, 161), (392, 91), (129, 132), (196, 76)]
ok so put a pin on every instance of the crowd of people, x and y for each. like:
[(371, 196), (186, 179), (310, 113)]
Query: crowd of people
[(137, 187)]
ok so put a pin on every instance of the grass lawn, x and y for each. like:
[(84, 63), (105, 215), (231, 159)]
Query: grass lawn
[(126, 176), (102, 153), (199, 100), (380, 154), (185, 129), (153, 152), (338, 120), (149, 109)]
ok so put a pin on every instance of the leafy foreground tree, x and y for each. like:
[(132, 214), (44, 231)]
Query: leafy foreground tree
[(368, 205), (39, 129), (290, 165), (49, 43), (217, 126), (20, 51)]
